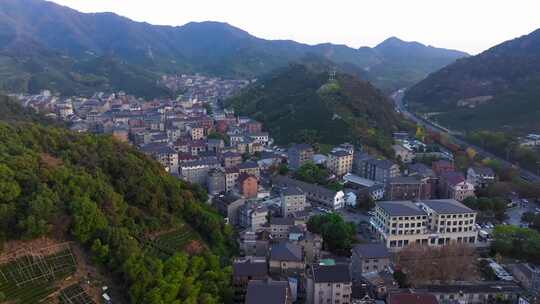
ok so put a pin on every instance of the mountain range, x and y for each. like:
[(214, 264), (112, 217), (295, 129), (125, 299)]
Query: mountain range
[(498, 89), (45, 45)]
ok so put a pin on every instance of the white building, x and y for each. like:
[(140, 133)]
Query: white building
[(431, 222)]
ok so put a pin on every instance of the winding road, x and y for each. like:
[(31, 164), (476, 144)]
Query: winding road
[(401, 108)]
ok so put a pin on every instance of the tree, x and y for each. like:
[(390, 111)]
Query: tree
[(311, 173), (9, 188), (365, 202), (338, 236), (401, 279)]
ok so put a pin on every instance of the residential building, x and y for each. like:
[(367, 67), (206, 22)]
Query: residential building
[(227, 205), (480, 177), (329, 284), (231, 177), (196, 171), (430, 222), (380, 170), (293, 200), (340, 162), (286, 258), (405, 154), (371, 257), (253, 217), (216, 181), (214, 145), (474, 293), (231, 159), (268, 292), (249, 167), (280, 226), (319, 194), (299, 155), (245, 270), (249, 185), (453, 185), (424, 172), (311, 244), (406, 188), (164, 154)]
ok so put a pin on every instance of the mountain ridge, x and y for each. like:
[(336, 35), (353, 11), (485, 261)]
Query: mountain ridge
[(210, 47)]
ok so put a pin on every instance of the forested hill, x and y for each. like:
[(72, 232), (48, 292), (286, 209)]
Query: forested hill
[(497, 89), (299, 103), (109, 198), (48, 46)]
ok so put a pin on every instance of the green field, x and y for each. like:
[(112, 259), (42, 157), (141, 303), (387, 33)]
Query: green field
[(169, 243), (29, 280)]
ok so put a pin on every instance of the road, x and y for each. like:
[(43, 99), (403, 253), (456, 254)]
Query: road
[(400, 107)]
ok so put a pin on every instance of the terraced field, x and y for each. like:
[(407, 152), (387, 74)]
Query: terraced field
[(31, 279), (169, 243)]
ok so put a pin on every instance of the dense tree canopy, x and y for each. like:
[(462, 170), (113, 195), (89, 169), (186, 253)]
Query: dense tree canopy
[(338, 235), (110, 196)]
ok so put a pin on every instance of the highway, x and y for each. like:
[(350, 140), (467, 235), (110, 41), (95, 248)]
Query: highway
[(400, 107)]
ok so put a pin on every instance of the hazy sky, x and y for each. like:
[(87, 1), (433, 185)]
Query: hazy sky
[(468, 25)]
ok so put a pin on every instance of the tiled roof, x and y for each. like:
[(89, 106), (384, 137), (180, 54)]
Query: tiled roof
[(338, 273)]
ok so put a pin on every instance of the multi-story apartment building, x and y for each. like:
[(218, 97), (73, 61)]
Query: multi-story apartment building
[(299, 155), (365, 258), (453, 185), (480, 177), (340, 162), (250, 167), (329, 284), (231, 159), (293, 199), (196, 171), (380, 170), (216, 181), (231, 177), (431, 222), (253, 216), (164, 154)]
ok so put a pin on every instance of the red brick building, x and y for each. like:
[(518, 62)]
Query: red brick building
[(249, 185)]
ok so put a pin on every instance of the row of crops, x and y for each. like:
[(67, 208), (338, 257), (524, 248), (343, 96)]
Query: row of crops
[(30, 279), (169, 243)]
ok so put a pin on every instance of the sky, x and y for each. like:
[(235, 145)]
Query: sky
[(467, 25)]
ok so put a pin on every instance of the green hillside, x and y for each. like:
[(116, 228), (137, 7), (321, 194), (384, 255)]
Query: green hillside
[(299, 103), (108, 197), (505, 79)]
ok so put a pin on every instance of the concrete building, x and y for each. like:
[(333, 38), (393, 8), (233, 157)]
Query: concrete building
[(404, 153), (286, 258), (431, 222), (196, 171), (280, 226), (453, 185), (228, 205), (411, 298), (299, 155), (245, 270), (164, 154), (528, 275), (329, 284), (407, 188), (474, 293), (442, 166), (380, 170), (373, 257), (253, 216), (231, 159), (293, 200), (340, 162), (231, 178), (216, 181), (480, 177), (319, 194), (268, 292), (249, 167)]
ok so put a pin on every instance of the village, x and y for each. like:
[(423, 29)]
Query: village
[(290, 204)]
